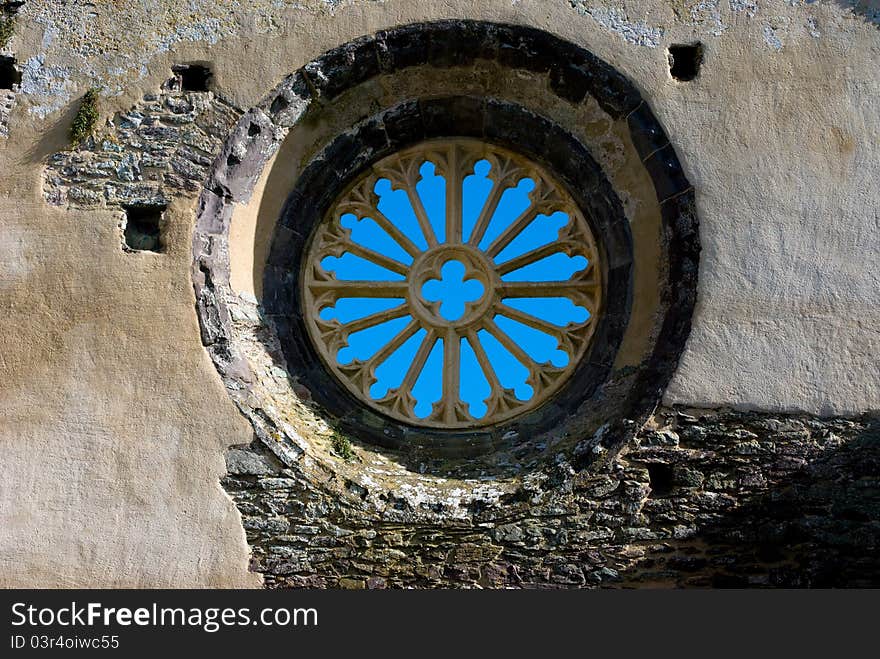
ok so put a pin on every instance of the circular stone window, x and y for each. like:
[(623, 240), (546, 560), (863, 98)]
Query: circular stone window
[(453, 285), (478, 243), (451, 292)]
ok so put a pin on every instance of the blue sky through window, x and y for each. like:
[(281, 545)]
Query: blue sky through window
[(453, 290)]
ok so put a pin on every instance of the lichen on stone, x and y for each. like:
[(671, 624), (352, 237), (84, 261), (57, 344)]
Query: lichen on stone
[(640, 518), (616, 20)]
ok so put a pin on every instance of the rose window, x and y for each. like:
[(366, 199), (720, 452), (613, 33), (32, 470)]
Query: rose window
[(454, 284)]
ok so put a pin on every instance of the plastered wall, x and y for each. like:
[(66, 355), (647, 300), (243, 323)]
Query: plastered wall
[(114, 423)]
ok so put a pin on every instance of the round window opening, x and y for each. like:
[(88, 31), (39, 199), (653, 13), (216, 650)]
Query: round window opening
[(454, 284), (452, 275)]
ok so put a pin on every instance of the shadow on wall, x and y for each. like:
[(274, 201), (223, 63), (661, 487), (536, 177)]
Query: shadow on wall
[(297, 149), (867, 9), (720, 499), (55, 138), (817, 527)]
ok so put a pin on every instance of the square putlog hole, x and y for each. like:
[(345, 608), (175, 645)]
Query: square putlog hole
[(685, 61), (143, 230), (9, 74), (662, 479), (192, 77)]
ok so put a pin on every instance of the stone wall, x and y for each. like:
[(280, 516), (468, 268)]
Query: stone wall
[(115, 423), (699, 499), (162, 146)]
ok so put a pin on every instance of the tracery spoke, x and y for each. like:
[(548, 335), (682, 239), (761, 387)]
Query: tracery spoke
[(483, 361), (541, 376), (512, 347), (379, 259), (512, 231), (487, 212), (535, 255), (505, 174), (400, 400), (363, 372), (453, 174), (421, 216), (500, 398), (327, 292), (374, 319), (580, 288), (534, 322), (451, 375), (353, 288), (363, 202), (386, 351), (565, 336), (418, 364), (382, 220)]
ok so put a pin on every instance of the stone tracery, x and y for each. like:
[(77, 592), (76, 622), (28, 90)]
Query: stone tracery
[(486, 260)]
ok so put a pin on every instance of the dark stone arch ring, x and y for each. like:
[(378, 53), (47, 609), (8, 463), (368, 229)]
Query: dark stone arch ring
[(597, 401)]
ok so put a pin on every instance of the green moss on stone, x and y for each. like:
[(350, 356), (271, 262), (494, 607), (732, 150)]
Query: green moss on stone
[(342, 446), (86, 117), (7, 26)]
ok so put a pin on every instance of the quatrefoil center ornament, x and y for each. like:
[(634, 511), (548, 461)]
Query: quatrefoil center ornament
[(453, 290)]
